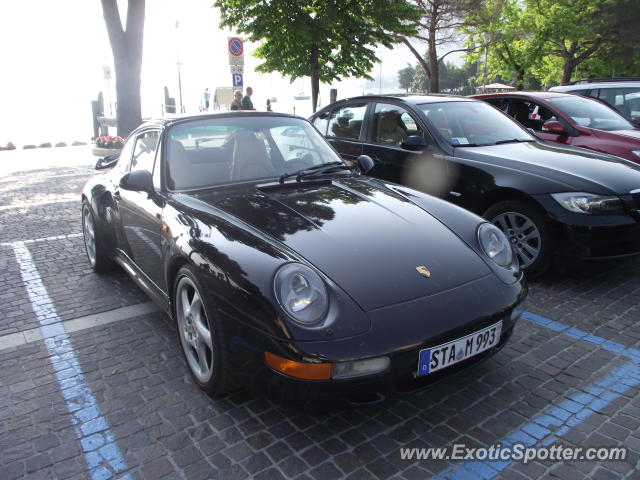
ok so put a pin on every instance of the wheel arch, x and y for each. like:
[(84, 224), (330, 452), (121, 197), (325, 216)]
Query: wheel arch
[(173, 267), (502, 194)]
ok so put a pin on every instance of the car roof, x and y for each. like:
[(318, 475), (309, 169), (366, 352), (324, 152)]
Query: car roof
[(166, 121), (412, 98), (542, 95), (592, 85)]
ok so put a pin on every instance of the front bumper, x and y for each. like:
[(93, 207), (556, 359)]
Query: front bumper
[(592, 236), (442, 318)]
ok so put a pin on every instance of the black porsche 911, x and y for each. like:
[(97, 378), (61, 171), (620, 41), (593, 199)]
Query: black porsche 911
[(287, 270)]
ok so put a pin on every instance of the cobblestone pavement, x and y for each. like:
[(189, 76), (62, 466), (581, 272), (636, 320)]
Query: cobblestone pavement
[(116, 401)]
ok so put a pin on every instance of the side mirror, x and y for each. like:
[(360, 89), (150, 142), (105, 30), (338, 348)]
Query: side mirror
[(365, 163), (137, 181), (554, 126), (107, 162), (414, 142), (532, 132)]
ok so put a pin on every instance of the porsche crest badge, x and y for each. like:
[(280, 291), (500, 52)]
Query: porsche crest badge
[(424, 271)]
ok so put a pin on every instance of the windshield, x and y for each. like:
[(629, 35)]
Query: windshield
[(214, 151), (590, 113), (473, 124)]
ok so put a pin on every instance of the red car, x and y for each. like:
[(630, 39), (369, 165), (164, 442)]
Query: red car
[(571, 120)]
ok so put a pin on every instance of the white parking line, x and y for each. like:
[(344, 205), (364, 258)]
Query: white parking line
[(44, 239), (102, 454), (78, 324), (45, 177), (37, 204)]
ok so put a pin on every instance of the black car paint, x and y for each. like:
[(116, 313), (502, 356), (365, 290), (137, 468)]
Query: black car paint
[(478, 177), (237, 235)]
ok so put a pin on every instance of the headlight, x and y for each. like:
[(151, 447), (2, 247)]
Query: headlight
[(579, 202), (495, 244), (636, 153), (301, 293)]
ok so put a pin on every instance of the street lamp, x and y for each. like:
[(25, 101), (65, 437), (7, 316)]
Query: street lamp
[(178, 63)]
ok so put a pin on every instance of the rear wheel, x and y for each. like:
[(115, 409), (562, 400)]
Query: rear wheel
[(96, 252), (201, 335), (526, 230)]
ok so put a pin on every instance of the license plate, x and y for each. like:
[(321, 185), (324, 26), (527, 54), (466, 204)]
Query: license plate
[(436, 358)]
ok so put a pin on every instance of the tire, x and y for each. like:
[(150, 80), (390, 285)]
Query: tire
[(201, 335), (93, 246), (525, 227)]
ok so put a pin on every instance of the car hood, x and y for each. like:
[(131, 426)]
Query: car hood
[(365, 238), (578, 170), (633, 134)]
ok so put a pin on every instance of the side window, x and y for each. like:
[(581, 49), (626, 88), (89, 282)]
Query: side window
[(531, 114), (632, 101), (346, 122), (499, 103), (392, 124), (125, 155), (321, 122), (144, 152)]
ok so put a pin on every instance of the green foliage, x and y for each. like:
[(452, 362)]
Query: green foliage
[(340, 35), (549, 39), (405, 77)]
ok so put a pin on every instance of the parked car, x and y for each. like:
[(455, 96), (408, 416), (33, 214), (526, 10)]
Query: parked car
[(287, 270), (623, 95), (547, 199), (571, 120)]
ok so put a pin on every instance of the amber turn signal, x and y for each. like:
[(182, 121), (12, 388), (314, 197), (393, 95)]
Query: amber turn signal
[(306, 371)]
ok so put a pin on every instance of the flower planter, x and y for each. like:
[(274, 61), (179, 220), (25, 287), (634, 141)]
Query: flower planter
[(103, 152)]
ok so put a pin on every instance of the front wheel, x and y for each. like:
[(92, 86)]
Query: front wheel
[(527, 232), (201, 335), (96, 252)]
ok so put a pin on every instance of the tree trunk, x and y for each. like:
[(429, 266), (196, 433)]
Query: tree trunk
[(126, 46), (434, 78), (567, 69), (315, 77), (520, 80)]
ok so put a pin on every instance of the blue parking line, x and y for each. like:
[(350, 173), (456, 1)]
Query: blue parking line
[(548, 426), (632, 354), (102, 454)]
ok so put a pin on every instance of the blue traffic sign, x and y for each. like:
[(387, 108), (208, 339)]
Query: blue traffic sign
[(237, 79)]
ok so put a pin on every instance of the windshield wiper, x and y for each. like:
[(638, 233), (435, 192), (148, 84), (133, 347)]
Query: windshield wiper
[(514, 140), (315, 170)]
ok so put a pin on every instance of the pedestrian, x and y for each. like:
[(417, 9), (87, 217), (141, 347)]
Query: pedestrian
[(268, 105), (247, 104), (206, 97), (237, 102)]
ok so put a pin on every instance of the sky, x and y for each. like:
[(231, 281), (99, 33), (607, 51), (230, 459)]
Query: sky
[(54, 53)]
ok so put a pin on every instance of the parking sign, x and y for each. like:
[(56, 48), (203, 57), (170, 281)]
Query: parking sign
[(237, 79)]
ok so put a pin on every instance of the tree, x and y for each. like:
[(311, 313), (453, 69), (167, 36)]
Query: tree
[(126, 45), (438, 25), (323, 39), (405, 77), (512, 37), (576, 30)]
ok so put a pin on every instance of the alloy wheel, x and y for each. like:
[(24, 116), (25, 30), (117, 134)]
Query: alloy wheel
[(193, 326), (523, 235), (89, 234)]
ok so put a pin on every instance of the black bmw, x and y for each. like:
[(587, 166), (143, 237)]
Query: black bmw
[(548, 199), (287, 270)]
